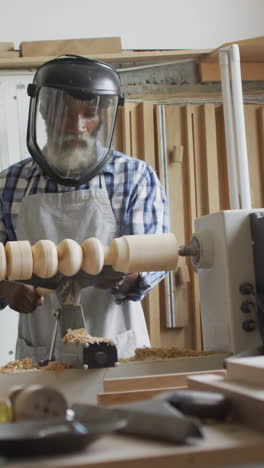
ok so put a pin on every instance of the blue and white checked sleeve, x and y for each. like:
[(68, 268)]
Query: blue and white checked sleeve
[(147, 213)]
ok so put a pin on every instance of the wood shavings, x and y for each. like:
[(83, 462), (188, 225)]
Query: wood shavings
[(80, 335), (27, 364), (17, 366), (56, 366), (145, 353), (72, 336)]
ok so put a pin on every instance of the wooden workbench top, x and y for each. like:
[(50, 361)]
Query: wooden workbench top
[(222, 444)]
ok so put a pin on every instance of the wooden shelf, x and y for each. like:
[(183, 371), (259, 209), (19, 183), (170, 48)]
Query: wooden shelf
[(126, 56)]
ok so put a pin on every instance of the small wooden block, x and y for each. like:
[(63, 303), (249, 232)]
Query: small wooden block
[(177, 154), (249, 370)]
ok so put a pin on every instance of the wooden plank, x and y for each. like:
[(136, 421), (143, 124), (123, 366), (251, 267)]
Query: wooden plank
[(151, 307), (190, 215), (126, 129), (146, 122), (118, 139), (247, 370), (98, 45), (224, 197), (9, 54), (250, 71), (255, 154), (151, 303), (135, 131), (6, 46), (200, 176), (114, 398), (251, 50), (153, 381), (123, 57), (211, 158), (175, 156), (247, 400)]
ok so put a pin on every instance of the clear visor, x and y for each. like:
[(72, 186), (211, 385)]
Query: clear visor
[(74, 135)]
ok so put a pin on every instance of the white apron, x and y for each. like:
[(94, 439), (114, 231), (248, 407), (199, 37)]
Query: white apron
[(76, 215)]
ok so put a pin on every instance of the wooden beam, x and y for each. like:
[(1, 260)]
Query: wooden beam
[(146, 144), (190, 215), (153, 381), (123, 57), (250, 71), (211, 158), (251, 50), (114, 398)]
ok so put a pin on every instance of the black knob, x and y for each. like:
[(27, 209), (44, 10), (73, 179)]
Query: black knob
[(249, 325), (246, 289), (247, 306)]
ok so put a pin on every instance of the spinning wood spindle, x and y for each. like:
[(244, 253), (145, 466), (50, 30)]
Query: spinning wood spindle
[(127, 254)]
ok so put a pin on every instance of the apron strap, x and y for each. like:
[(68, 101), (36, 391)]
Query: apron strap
[(102, 183)]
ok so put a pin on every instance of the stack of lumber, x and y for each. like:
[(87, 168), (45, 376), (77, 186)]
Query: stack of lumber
[(124, 390)]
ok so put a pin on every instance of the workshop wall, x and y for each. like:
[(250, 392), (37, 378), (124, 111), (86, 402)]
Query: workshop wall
[(187, 142), (141, 24)]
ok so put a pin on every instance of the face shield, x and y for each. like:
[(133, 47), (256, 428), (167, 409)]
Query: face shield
[(72, 116), (73, 135)]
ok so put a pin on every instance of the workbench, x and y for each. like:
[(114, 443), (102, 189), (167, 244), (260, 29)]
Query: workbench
[(222, 445)]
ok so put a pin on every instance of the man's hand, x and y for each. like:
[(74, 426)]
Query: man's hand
[(20, 297), (124, 284)]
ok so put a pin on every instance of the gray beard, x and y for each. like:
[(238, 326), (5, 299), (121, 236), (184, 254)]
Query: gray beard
[(73, 157)]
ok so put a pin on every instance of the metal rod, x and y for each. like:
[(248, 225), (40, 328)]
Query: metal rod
[(169, 280), (56, 316)]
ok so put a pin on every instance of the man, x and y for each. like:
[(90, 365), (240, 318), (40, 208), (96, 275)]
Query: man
[(76, 187)]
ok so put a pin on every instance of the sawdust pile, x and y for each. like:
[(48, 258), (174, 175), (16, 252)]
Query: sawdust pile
[(27, 364), (17, 366), (145, 353), (81, 335), (56, 366)]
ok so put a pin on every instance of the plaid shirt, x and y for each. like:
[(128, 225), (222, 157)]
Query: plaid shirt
[(136, 196)]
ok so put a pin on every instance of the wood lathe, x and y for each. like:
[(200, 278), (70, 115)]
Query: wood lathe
[(68, 267), (226, 251)]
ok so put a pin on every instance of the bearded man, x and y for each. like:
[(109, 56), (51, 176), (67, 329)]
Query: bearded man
[(75, 186)]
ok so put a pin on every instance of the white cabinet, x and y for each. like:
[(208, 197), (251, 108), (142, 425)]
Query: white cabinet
[(14, 104)]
